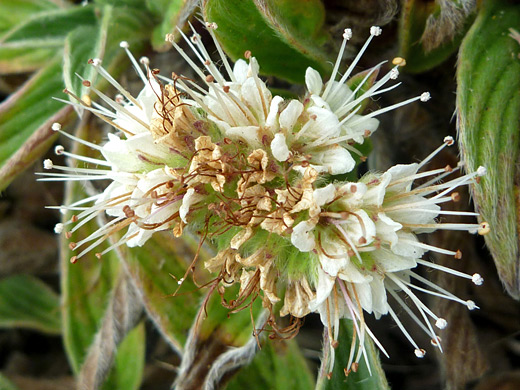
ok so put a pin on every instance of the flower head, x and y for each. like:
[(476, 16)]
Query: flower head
[(251, 173)]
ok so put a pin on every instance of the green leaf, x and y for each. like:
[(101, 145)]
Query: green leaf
[(6, 384), (87, 284), (279, 365), (170, 12), (14, 12), (360, 380), (153, 268), (284, 44), (488, 100), (25, 120), (26, 302), (414, 46), (127, 372), (38, 40)]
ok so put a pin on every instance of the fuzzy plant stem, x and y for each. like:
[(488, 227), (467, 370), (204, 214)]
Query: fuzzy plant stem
[(123, 313)]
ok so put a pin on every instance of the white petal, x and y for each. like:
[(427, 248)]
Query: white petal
[(256, 95), (386, 229), (357, 132), (388, 261), (247, 133), (324, 195), (271, 120), (401, 171), (323, 289), (279, 147), (302, 237), (376, 193), (336, 160), (290, 114), (326, 124), (240, 71), (190, 197), (313, 81)]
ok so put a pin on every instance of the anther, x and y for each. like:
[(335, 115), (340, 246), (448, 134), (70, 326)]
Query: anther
[(455, 197), (124, 44), (119, 98), (347, 34), (477, 279), (353, 188), (68, 235), (227, 141), (247, 54), (47, 164), (448, 140), (334, 344), (367, 133), (481, 171), (362, 158), (59, 149), (471, 305), (179, 282), (56, 126), (448, 168), (425, 96), (194, 38), (156, 71), (225, 88), (74, 259), (96, 62), (72, 245), (362, 240), (394, 74), (419, 352), (58, 228), (354, 366), (207, 62), (129, 213), (98, 255), (458, 254), (441, 323), (399, 61), (375, 31), (436, 342), (314, 117), (210, 78), (86, 83), (484, 229)]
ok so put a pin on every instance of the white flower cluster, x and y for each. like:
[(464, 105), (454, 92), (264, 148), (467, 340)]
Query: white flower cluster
[(252, 170)]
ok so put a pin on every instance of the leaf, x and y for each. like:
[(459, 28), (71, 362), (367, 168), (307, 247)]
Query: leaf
[(127, 372), (153, 268), (25, 47), (13, 12), (25, 120), (283, 46), (279, 365), (6, 384), (172, 14), (26, 302), (488, 102), (360, 380), (421, 20)]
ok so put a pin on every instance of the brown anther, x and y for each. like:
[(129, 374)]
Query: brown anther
[(350, 253), (344, 370), (65, 90), (74, 218), (448, 168), (363, 158), (207, 62), (73, 259), (305, 164), (72, 245), (455, 197), (68, 235), (175, 76), (374, 268), (156, 71), (90, 61), (314, 117), (227, 141), (477, 179), (129, 213), (362, 240), (458, 254), (86, 83), (154, 194), (353, 188), (247, 54), (335, 344), (329, 375), (98, 255), (210, 78), (169, 184), (355, 366), (484, 229), (367, 133)]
